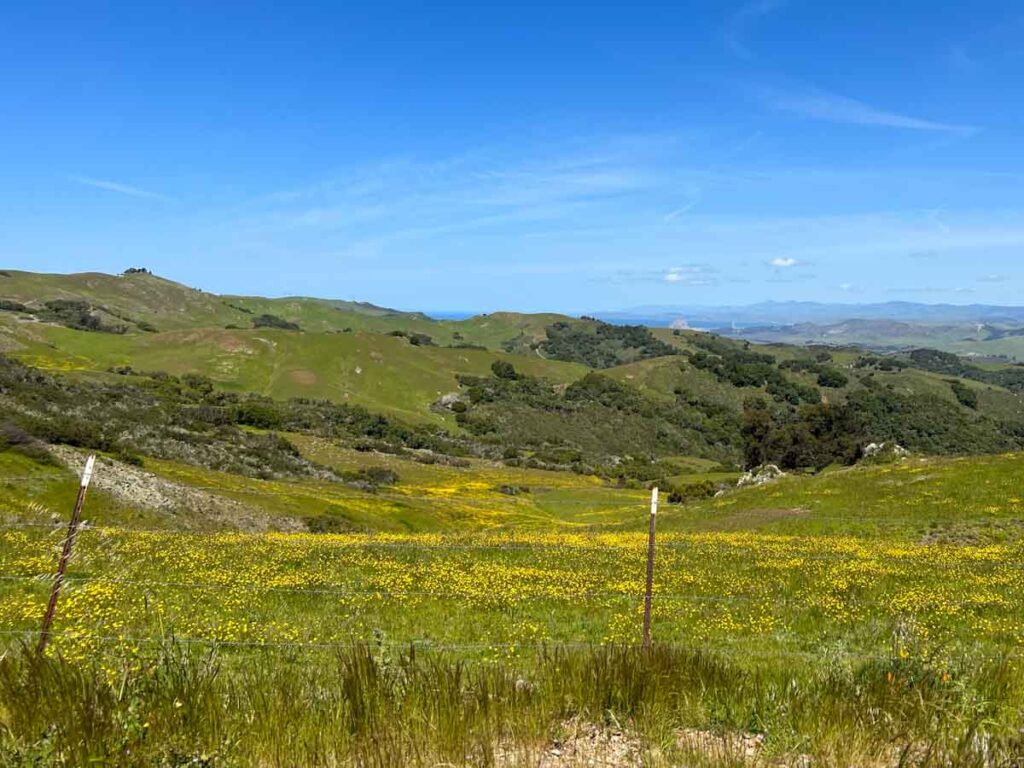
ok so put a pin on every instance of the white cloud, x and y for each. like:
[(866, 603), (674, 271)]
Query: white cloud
[(783, 263), (742, 22), (691, 274), (814, 104), (114, 186)]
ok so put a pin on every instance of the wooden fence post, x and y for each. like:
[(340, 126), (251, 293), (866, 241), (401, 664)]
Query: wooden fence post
[(65, 555), (650, 569)]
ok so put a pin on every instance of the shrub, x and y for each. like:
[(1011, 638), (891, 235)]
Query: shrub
[(964, 394), (262, 415), (273, 321), (504, 370), (832, 378)]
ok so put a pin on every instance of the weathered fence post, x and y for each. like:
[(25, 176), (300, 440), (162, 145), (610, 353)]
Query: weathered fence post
[(650, 569), (65, 555)]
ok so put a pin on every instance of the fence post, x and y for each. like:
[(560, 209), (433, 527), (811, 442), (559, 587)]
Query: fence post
[(65, 555), (650, 569)]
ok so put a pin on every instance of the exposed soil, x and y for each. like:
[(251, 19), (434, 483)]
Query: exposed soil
[(189, 507)]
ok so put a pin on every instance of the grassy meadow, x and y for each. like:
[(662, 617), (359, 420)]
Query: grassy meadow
[(860, 616)]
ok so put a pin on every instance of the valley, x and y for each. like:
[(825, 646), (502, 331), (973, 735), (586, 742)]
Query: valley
[(371, 490)]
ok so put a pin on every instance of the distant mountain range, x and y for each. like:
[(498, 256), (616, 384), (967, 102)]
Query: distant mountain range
[(795, 312)]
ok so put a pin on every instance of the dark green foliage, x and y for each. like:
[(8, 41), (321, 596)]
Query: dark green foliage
[(370, 478), (6, 305), (17, 440), (273, 321), (77, 314), (937, 361), (416, 339), (887, 364), (328, 523), (702, 489), (595, 423), (828, 376), (964, 395), (602, 345), (736, 364), (504, 370), (951, 365), (928, 423), (137, 271), (832, 378), (259, 414), (815, 436), (186, 420), (421, 340)]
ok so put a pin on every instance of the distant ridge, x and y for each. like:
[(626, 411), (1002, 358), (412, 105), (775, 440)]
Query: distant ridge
[(795, 312)]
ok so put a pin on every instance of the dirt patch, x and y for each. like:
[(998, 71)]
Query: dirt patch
[(580, 744), (730, 748), (303, 376), (187, 507), (231, 343)]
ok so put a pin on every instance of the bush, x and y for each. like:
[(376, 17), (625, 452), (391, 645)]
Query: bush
[(832, 378), (966, 396), (13, 438), (273, 321), (692, 491), (504, 370), (262, 415)]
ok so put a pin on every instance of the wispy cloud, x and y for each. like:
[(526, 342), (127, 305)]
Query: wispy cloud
[(783, 262), (114, 186), (691, 274), (741, 23), (695, 194), (814, 104)]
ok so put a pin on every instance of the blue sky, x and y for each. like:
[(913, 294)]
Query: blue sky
[(530, 156)]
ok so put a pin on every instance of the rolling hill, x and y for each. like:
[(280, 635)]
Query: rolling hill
[(562, 393)]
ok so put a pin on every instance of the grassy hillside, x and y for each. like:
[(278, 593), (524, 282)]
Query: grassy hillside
[(674, 392), (164, 305), (382, 372)]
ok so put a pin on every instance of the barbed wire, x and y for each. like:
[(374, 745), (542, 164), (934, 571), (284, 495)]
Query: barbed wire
[(737, 647), (669, 539)]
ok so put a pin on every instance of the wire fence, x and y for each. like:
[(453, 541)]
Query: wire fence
[(700, 544)]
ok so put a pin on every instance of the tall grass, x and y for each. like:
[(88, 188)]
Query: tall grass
[(359, 707)]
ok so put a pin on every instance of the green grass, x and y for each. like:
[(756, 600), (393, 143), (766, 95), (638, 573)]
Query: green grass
[(172, 306), (383, 373), (361, 708), (966, 500), (165, 304), (867, 613)]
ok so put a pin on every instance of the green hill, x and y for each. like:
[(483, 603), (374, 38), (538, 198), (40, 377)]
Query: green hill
[(382, 372), (139, 301), (623, 401)]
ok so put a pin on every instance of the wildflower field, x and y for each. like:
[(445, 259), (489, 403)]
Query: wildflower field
[(873, 613), (496, 595)]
